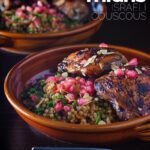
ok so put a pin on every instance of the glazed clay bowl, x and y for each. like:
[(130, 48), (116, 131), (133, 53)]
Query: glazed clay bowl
[(21, 43), (88, 134)]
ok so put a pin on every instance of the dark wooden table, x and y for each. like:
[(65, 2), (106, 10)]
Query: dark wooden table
[(15, 134)]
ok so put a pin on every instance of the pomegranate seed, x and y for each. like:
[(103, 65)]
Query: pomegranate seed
[(39, 9), (103, 45), (30, 17), (52, 79), (39, 3), (89, 83), (67, 84), (29, 9), (34, 97), (67, 108), (82, 87), (58, 107), (70, 97), (52, 11), (82, 92), (133, 62), (131, 74), (37, 23), (71, 89), (60, 78), (144, 69), (90, 89), (20, 14), (81, 101), (82, 81), (72, 80), (23, 7), (119, 72)]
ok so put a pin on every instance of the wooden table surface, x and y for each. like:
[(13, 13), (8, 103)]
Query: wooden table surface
[(15, 134)]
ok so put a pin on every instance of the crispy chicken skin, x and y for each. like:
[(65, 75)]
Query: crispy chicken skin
[(129, 97), (91, 62)]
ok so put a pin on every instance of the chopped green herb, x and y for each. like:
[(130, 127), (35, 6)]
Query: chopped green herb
[(14, 18), (58, 74), (67, 22), (63, 102), (98, 117), (50, 104), (74, 104), (57, 96), (38, 15), (42, 82), (38, 111)]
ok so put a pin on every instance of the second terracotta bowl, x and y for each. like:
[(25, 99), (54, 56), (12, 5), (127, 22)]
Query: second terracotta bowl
[(22, 43), (89, 134)]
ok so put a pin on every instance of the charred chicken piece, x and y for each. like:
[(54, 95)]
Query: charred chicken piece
[(74, 9), (129, 97), (91, 62)]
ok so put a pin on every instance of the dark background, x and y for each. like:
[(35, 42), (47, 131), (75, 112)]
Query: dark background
[(15, 134)]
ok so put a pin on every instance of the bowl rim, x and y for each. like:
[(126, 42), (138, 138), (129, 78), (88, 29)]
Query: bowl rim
[(81, 29), (62, 125)]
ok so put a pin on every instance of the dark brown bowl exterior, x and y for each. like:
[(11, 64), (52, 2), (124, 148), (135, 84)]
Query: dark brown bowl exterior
[(28, 43), (89, 134)]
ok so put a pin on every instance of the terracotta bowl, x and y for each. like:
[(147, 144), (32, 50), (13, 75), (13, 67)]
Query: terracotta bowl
[(89, 134), (28, 43)]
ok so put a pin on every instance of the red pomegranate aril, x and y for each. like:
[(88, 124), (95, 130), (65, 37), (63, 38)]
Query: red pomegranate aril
[(58, 107), (34, 97), (70, 97), (52, 11), (67, 108), (71, 89), (71, 80), (38, 10), (103, 45), (39, 3), (61, 78), (133, 62), (82, 92), (131, 74), (20, 14), (119, 72), (83, 87), (89, 83), (67, 84), (82, 81), (90, 89), (23, 7), (37, 23), (52, 79), (29, 9)]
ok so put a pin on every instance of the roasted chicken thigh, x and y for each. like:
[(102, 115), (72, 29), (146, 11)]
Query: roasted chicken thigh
[(130, 97), (91, 62)]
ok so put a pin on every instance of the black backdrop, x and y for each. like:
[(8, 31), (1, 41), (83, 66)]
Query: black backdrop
[(17, 135)]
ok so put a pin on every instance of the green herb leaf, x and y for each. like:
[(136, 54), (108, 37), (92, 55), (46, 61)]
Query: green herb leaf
[(38, 15), (58, 74), (74, 104), (67, 22), (42, 82), (50, 104), (57, 96), (63, 102), (14, 18), (38, 111), (98, 117)]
